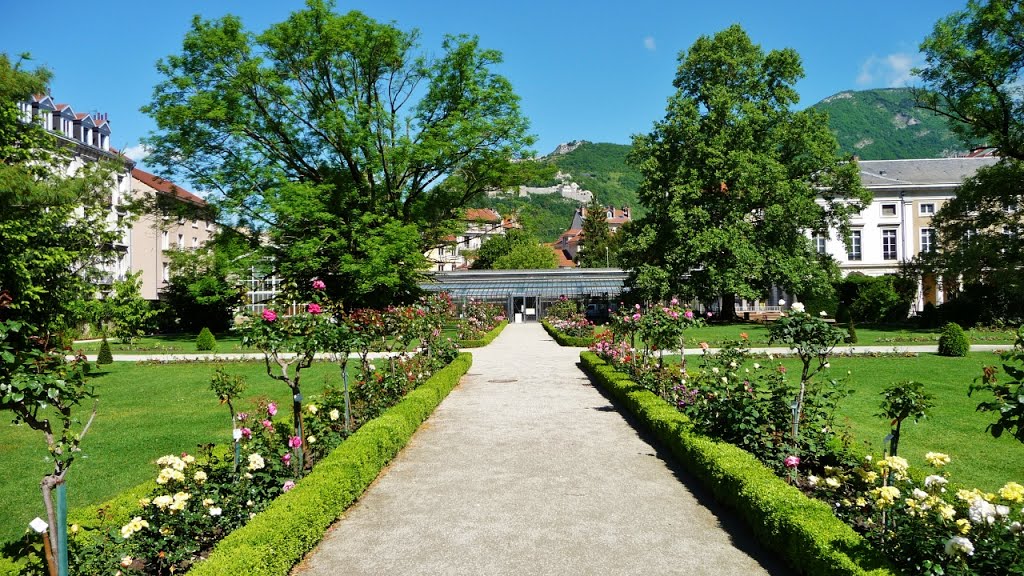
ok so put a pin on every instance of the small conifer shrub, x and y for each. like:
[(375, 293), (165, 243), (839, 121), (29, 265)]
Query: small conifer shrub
[(105, 357), (851, 333), (953, 341), (205, 341)]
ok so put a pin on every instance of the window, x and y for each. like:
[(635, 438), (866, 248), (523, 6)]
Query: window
[(927, 240), (209, 225), (165, 240), (889, 244), (195, 223), (181, 241), (819, 242), (855, 253), (888, 209), (927, 209), (195, 242), (167, 272)]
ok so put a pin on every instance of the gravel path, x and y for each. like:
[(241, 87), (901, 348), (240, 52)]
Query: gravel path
[(526, 468)]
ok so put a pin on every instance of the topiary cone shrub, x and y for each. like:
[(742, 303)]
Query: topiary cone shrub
[(953, 341), (851, 333), (105, 357), (205, 341)]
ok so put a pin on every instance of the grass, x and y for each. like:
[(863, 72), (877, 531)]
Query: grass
[(953, 427), (167, 344), (145, 411), (867, 335)]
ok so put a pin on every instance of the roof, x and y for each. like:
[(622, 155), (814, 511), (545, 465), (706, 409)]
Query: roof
[(934, 171), (166, 187), (564, 261), (482, 215), (501, 284)]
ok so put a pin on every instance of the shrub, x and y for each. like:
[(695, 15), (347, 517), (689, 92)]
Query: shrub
[(851, 333), (105, 357), (205, 341), (953, 341)]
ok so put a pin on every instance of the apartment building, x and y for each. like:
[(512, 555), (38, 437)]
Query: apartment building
[(480, 225)]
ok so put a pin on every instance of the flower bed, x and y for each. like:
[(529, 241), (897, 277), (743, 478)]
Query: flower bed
[(804, 531), (486, 339), (295, 521), (564, 339)]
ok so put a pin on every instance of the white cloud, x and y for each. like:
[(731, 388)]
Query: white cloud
[(892, 70), (650, 44), (139, 152)]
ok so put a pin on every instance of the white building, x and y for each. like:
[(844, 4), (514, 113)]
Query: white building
[(896, 226), (481, 224)]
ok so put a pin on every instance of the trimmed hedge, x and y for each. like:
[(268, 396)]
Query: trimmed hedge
[(566, 340), (104, 357), (206, 342), (277, 538), (953, 341), (802, 530), (487, 339)]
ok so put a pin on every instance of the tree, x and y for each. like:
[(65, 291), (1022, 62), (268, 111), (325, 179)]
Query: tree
[(128, 313), (333, 134), (53, 236), (514, 250), (203, 288), (595, 239), (972, 74), (732, 179)]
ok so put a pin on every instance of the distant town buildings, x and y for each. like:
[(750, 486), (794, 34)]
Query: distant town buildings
[(568, 244), (480, 225)]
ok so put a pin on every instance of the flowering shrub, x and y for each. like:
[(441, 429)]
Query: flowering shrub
[(479, 318), (1006, 394), (563, 309), (576, 326), (925, 525)]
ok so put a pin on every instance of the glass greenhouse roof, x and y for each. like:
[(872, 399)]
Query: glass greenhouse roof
[(500, 284)]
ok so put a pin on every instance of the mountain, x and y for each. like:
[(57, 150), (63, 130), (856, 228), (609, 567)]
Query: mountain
[(884, 125)]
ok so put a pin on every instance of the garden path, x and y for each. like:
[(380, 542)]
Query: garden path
[(526, 468)]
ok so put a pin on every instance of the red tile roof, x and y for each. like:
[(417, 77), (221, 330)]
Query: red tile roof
[(563, 257), (166, 187), (482, 215)]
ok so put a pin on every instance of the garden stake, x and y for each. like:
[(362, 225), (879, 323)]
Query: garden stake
[(62, 530), (41, 528), (297, 411)]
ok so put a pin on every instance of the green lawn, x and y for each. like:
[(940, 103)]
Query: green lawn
[(953, 427), (166, 344), (716, 334), (145, 411)]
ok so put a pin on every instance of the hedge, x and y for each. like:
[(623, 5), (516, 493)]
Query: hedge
[(564, 339), (278, 538), (802, 530), (490, 336)]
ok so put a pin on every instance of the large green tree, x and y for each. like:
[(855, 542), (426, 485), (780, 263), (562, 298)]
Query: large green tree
[(338, 137), (733, 179), (972, 75)]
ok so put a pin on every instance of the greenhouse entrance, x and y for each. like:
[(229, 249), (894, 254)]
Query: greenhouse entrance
[(527, 294)]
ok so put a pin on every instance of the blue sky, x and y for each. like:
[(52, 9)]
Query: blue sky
[(598, 71)]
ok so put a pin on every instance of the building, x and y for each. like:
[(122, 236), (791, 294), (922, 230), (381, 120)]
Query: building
[(144, 241), (480, 224), (183, 221), (569, 242), (87, 137)]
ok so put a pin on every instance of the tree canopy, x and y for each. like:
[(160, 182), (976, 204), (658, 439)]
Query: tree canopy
[(514, 250), (972, 74), (595, 238), (340, 138), (733, 179)]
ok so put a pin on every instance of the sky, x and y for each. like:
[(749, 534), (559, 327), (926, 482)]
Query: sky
[(599, 71)]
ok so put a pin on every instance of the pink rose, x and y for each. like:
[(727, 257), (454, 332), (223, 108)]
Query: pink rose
[(272, 409), (791, 461), (674, 301), (709, 314), (313, 308), (319, 285), (287, 458), (268, 424), (269, 315), (295, 442), (704, 346), (246, 433), (689, 314), (288, 486)]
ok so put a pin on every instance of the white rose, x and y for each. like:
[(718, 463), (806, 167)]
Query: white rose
[(797, 307)]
